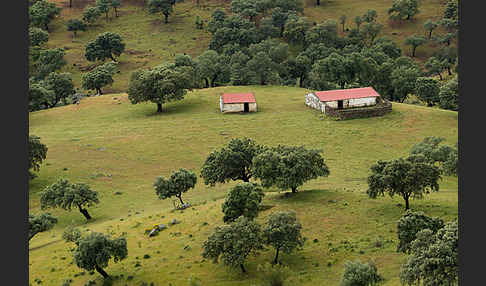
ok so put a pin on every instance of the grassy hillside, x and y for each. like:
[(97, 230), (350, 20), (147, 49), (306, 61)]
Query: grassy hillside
[(118, 147), (150, 42), (430, 9)]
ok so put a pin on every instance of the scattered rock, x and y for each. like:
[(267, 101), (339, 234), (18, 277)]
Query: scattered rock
[(184, 206), (101, 149), (174, 221), (162, 226), (154, 232)]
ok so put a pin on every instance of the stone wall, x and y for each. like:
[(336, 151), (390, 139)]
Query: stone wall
[(252, 107), (313, 101), (382, 108), (237, 107)]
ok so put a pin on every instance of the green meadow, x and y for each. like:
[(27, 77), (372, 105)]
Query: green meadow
[(119, 149)]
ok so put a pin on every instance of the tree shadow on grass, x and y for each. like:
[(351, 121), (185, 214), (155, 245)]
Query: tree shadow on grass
[(394, 209), (306, 196), (150, 110)]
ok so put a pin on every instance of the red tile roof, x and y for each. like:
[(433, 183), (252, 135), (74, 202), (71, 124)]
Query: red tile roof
[(340, 94), (238, 98)]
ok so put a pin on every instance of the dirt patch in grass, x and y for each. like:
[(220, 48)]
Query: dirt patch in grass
[(44, 245), (134, 52)]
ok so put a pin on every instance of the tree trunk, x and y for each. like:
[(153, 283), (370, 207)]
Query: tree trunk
[(413, 51), (242, 268), (112, 58), (294, 189), (407, 205), (301, 81), (74, 34), (282, 28), (84, 212), (180, 198), (245, 177), (101, 271), (106, 15), (318, 2), (440, 75), (430, 34), (343, 28), (159, 107), (408, 17), (166, 18), (70, 3), (275, 261), (54, 104), (207, 82), (213, 81), (342, 85), (99, 90), (116, 12)]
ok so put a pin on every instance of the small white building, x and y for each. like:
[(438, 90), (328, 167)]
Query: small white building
[(237, 102), (342, 98)]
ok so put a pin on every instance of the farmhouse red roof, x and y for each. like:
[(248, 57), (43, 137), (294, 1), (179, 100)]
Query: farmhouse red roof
[(340, 94), (238, 98)]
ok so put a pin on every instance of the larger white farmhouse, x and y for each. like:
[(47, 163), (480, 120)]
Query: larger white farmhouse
[(342, 98), (237, 102)]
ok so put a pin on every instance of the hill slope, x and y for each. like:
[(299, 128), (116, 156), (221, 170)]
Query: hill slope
[(118, 147)]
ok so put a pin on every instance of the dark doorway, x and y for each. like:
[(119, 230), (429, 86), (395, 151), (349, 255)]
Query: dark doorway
[(247, 107), (340, 104)]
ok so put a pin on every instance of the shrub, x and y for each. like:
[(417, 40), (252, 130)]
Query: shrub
[(360, 274), (194, 281), (274, 275), (71, 234)]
